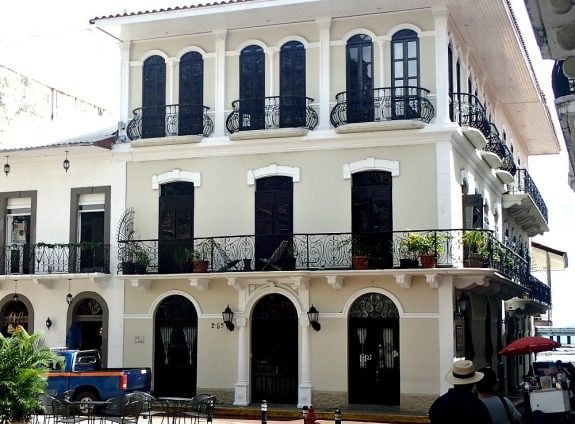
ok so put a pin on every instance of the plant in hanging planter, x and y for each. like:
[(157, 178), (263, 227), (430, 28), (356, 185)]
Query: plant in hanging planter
[(24, 363)]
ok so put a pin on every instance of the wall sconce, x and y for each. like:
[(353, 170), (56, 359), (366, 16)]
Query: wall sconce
[(228, 316), (66, 162), (7, 166), (313, 316), (48, 323), (69, 296), (462, 304)]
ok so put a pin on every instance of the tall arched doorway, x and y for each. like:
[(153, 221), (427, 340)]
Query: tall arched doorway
[(274, 350), (175, 347), (373, 343), (15, 312), (88, 324)]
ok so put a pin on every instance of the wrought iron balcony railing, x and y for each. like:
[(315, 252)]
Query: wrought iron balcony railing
[(496, 146), (170, 120), (44, 258), (382, 104), (272, 112), (523, 183), (508, 164), (326, 251), (539, 291), (467, 109)]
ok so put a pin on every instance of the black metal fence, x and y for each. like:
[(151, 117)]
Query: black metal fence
[(467, 109), (524, 184), (45, 258), (382, 104), (332, 251), (170, 120), (271, 113)]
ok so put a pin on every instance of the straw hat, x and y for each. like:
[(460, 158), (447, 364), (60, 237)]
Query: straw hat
[(463, 372)]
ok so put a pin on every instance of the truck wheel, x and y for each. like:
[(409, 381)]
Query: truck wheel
[(85, 408)]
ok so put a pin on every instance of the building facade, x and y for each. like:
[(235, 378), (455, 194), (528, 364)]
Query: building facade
[(354, 177)]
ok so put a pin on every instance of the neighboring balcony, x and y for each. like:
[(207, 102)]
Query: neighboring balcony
[(45, 258), (564, 90), (170, 121), (526, 205), (400, 252), (386, 108), (536, 301), (499, 157), (468, 111), (282, 116)]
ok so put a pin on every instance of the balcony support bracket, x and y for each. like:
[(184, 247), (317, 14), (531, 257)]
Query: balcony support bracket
[(201, 284), (403, 280), (142, 285), (335, 281)]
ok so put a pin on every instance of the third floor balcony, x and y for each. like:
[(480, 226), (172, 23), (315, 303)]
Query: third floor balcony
[(382, 105), (169, 121)]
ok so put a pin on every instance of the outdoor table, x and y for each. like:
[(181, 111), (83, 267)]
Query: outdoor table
[(87, 410), (175, 406)]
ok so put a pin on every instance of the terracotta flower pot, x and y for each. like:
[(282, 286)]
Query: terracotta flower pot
[(428, 261), (360, 262), (201, 266)]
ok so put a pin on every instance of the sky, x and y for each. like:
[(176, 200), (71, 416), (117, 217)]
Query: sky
[(54, 43)]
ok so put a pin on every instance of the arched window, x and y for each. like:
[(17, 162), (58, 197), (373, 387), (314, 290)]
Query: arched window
[(252, 88), (153, 97), (190, 119), (359, 78), (292, 85), (405, 74)]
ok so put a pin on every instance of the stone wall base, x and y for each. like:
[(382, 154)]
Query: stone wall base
[(409, 403), (225, 397)]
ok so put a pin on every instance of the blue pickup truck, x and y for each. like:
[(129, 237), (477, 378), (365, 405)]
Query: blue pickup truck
[(81, 373)]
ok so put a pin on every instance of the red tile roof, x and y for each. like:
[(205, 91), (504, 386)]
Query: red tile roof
[(168, 9)]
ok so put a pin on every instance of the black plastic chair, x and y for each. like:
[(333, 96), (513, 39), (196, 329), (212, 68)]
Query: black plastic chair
[(151, 407)]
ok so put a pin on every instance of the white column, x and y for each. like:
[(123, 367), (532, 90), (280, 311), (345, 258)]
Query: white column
[(324, 25), (272, 53), (441, 68), (125, 81), (304, 395), (241, 397), (220, 98), (170, 78), (446, 346), (381, 74)]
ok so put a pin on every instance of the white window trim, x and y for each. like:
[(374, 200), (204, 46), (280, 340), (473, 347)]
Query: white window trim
[(176, 175), (272, 170), (371, 164)]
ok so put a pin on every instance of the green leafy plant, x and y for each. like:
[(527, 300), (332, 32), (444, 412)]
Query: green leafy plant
[(24, 362), (142, 257), (476, 243), (202, 250), (424, 244)]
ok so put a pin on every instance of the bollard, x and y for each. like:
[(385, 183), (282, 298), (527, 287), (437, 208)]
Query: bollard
[(304, 412), (337, 417), (264, 409), (311, 415)]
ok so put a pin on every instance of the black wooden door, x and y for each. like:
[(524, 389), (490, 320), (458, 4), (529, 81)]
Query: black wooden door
[(175, 348), (372, 217), (92, 241), (190, 119), (176, 225), (154, 97), (359, 79), (373, 343), (292, 85), (252, 88), (274, 220), (274, 350)]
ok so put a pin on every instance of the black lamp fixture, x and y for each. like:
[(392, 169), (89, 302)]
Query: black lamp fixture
[(66, 162), (7, 166), (15, 298), (48, 323), (462, 304), (313, 316), (228, 317), (69, 296)]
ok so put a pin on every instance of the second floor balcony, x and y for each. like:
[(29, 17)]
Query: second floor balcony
[(448, 249), (270, 113), (382, 105), (170, 120), (56, 258), (525, 204), (468, 111)]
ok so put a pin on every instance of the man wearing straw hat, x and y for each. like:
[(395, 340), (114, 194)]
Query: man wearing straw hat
[(460, 404)]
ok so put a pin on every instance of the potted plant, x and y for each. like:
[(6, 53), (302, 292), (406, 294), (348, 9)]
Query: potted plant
[(24, 363), (200, 256), (427, 245), (142, 260), (409, 251), (127, 253), (476, 248), (185, 259)]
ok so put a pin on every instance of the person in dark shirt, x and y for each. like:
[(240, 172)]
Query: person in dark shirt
[(460, 404)]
